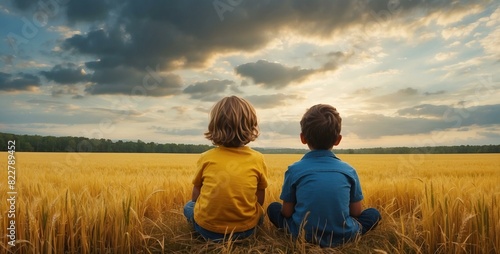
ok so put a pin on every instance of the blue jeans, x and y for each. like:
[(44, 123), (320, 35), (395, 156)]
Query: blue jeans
[(368, 219), (209, 235)]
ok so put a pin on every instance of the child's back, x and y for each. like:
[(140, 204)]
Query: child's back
[(321, 194), (230, 179), (323, 187), (229, 185)]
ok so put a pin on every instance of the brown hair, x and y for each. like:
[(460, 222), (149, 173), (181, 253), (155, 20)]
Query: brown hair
[(233, 123), (321, 126)]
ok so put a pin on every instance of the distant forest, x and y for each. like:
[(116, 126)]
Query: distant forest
[(36, 143)]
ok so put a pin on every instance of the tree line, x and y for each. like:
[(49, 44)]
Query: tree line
[(37, 143)]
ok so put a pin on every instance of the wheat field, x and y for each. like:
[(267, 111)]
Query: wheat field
[(132, 203)]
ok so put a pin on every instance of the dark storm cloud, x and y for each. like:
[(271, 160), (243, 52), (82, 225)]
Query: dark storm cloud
[(109, 43), (66, 74), (18, 82), (272, 75), (177, 34), (128, 81), (210, 90), (135, 34), (276, 75), (413, 121), (171, 34), (272, 100), (23, 4), (88, 10), (75, 10)]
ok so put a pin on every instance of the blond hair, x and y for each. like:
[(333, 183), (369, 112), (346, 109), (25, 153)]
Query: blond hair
[(321, 126), (233, 123)]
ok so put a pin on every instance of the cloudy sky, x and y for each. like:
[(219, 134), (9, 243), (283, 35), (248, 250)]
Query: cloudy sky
[(400, 72)]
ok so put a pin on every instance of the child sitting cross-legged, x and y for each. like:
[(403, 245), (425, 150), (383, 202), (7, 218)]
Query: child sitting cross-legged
[(321, 194), (229, 185)]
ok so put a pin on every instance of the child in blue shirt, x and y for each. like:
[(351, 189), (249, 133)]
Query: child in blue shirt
[(321, 194)]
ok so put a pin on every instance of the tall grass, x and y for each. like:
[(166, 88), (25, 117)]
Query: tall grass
[(132, 203)]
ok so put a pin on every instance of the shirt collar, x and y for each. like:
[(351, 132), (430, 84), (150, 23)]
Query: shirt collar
[(239, 147), (319, 153)]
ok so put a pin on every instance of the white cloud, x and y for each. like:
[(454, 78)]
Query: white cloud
[(426, 36), (442, 56), (494, 18), (462, 67), (453, 16), (454, 44), (459, 31), (491, 44), (471, 44)]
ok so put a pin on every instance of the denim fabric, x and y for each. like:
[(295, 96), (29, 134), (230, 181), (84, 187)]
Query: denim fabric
[(368, 219), (213, 236)]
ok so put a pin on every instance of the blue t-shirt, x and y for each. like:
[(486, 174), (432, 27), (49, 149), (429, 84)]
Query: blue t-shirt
[(322, 186)]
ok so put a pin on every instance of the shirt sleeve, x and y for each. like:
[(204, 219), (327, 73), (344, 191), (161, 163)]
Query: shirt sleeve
[(263, 177), (198, 180), (288, 190), (355, 194)]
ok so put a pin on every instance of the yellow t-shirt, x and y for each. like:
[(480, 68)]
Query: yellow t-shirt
[(229, 179)]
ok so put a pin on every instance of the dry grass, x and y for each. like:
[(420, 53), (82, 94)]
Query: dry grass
[(132, 203)]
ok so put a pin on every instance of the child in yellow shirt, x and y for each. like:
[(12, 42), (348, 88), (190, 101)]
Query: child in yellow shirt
[(229, 186)]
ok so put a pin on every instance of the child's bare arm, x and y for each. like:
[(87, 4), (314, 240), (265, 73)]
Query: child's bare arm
[(288, 209), (355, 209), (261, 195), (196, 193)]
